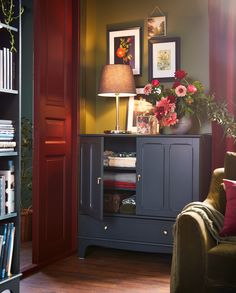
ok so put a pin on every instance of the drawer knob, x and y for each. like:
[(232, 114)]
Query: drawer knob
[(165, 232), (105, 227)]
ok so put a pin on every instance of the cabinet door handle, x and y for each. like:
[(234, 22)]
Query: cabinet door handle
[(99, 179), (138, 177)]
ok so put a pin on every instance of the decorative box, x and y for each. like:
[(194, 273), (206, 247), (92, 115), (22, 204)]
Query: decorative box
[(112, 201)]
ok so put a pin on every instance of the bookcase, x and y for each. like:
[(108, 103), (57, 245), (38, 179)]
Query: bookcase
[(10, 138), (169, 172)]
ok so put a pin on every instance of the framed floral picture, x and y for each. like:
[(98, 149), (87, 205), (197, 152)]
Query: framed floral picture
[(163, 58), (124, 47), (156, 26), (137, 106)]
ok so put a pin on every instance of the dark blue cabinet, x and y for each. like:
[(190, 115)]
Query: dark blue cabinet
[(171, 171)]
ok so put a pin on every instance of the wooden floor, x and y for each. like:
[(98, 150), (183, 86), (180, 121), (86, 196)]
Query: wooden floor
[(104, 271)]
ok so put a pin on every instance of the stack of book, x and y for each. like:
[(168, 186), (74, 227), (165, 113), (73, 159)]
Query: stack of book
[(7, 136), (7, 234), (7, 189), (7, 69)]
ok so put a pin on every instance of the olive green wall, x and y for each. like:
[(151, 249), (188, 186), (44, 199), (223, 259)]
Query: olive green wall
[(187, 19)]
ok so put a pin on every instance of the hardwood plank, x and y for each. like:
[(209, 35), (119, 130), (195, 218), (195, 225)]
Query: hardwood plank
[(104, 270)]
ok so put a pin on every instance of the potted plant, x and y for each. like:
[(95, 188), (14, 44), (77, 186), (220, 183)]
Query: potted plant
[(184, 99)]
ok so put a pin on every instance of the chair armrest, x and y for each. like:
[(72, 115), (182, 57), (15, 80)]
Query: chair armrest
[(191, 243), (216, 196)]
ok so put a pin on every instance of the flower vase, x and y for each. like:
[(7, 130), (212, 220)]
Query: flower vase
[(182, 127)]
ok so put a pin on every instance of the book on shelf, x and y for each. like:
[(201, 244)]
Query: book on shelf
[(4, 150), (7, 230), (10, 251), (3, 232), (6, 122), (7, 70), (8, 197), (2, 196), (1, 69), (7, 144)]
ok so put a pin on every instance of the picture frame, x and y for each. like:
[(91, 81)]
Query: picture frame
[(124, 47), (163, 58), (156, 26), (137, 106)]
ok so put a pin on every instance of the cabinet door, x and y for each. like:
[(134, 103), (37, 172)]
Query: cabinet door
[(91, 174), (183, 183), (150, 176), (167, 175)]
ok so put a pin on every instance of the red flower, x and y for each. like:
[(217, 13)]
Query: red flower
[(120, 52), (180, 74), (171, 99), (175, 84), (155, 82), (159, 112)]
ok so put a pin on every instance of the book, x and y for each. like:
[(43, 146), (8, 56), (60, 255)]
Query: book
[(2, 196), (1, 69), (7, 144), (8, 149), (5, 121), (10, 251), (9, 186), (3, 232), (4, 68), (8, 69), (6, 250)]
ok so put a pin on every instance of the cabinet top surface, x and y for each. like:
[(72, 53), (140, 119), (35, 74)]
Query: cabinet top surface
[(152, 136)]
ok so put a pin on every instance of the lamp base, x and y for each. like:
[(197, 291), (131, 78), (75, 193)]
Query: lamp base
[(117, 131)]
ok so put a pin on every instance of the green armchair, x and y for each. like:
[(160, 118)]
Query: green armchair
[(199, 264)]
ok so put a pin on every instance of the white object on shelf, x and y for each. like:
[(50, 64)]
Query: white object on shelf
[(121, 161)]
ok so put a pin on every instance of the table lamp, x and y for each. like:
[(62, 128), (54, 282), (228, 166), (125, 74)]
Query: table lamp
[(117, 80)]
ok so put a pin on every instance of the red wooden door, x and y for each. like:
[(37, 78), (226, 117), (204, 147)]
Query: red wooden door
[(54, 196)]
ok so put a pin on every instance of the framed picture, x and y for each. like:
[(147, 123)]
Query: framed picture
[(124, 47), (156, 26), (137, 106), (163, 58)]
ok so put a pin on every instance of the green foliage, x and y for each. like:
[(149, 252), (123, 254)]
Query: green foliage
[(8, 11), (26, 162)]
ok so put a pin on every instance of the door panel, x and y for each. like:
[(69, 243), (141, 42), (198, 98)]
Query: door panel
[(91, 182), (151, 167), (53, 136), (181, 176)]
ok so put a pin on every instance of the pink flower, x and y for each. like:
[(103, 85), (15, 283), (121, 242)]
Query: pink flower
[(180, 74), (171, 119), (147, 89), (155, 82), (191, 89), (181, 91), (165, 112)]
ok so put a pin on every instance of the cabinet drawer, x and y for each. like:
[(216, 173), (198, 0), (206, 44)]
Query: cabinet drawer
[(127, 229)]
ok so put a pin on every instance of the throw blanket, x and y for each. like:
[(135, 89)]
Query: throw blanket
[(212, 218)]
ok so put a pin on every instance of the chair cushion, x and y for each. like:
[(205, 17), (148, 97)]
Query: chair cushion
[(221, 264), (229, 228), (230, 165)]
